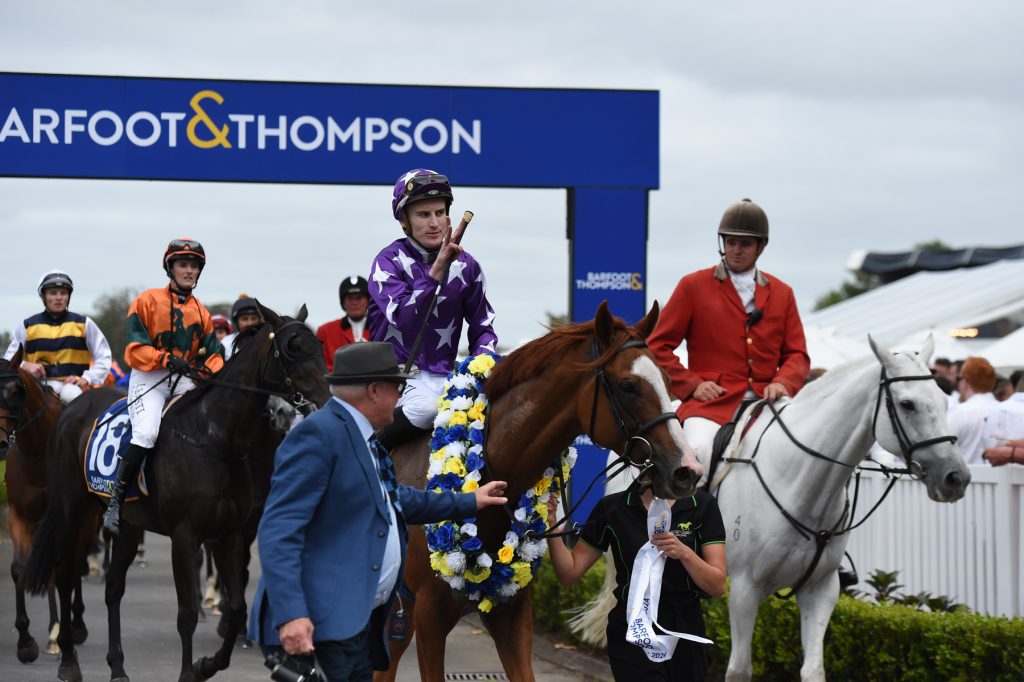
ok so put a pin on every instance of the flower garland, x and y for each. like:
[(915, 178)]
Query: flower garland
[(456, 460)]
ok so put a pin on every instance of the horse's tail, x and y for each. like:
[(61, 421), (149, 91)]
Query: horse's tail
[(590, 620), (35, 577)]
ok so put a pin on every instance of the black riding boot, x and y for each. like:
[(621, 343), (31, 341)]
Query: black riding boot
[(131, 460), (401, 430)]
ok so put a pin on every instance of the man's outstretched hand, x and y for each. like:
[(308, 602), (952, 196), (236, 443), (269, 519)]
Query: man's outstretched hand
[(492, 493)]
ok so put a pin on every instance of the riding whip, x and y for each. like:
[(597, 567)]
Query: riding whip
[(466, 218)]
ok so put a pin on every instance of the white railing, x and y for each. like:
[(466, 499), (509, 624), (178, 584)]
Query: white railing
[(971, 551)]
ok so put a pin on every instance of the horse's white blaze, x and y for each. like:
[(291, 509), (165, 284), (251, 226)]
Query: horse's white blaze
[(645, 368)]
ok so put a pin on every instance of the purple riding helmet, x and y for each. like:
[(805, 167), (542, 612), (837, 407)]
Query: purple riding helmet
[(417, 185)]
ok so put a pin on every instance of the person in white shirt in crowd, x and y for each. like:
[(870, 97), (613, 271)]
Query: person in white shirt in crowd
[(1006, 429), (969, 421)]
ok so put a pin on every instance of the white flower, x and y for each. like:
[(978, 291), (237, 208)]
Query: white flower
[(461, 381), (509, 589), (476, 449), (570, 456), (457, 582), (461, 403), (468, 529), (456, 561), (473, 476), (436, 468), (474, 596), (520, 515), (484, 560), (545, 497), (456, 449), (442, 418), (478, 425), (532, 550), (511, 539), (549, 472)]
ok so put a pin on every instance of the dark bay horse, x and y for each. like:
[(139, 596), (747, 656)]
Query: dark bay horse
[(577, 379), (200, 487), (28, 412)]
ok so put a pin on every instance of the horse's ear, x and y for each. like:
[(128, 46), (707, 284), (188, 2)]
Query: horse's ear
[(880, 351), (604, 324), (269, 315), (644, 327), (928, 349), (303, 312), (15, 361)]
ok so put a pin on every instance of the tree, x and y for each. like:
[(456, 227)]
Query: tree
[(5, 340), (863, 281), (555, 320), (111, 312)]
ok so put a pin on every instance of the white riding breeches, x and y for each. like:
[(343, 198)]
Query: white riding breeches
[(419, 401), (146, 411), (66, 392)]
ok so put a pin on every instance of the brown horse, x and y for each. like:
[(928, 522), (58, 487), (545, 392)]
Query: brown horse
[(596, 378), (28, 412)]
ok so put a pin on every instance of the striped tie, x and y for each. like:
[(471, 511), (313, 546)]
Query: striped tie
[(386, 471)]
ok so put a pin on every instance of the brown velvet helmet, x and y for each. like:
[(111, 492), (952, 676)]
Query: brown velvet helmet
[(744, 219)]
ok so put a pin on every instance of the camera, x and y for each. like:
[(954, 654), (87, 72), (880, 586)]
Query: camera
[(284, 668)]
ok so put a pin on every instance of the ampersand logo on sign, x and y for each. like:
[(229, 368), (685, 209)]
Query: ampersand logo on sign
[(220, 135)]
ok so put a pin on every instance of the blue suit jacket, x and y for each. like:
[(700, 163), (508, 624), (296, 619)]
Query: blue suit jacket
[(324, 531)]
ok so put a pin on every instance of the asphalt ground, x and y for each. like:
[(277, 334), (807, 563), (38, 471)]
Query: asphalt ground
[(152, 647)]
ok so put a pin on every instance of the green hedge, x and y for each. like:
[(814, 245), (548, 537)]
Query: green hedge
[(864, 642), (870, 642)]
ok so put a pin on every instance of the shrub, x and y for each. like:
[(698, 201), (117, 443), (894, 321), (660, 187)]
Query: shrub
[(551, 599)]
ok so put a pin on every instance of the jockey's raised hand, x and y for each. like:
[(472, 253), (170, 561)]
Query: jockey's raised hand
[(448, 252)]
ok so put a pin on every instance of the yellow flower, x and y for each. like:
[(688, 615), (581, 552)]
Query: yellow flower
[(485, 605), (481, 364), (458, 418), (541, 486), (474, 414), (443, 404), (523, 574), (454, 465), (506, 553), (436, 560), (478, 574), (470, 486)]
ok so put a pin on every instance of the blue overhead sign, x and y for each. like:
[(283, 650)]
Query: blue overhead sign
[(247, 131)]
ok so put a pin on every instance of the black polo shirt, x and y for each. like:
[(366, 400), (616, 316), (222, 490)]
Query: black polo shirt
[(619, 521)]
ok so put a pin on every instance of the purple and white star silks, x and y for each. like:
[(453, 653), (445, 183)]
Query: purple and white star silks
[(401, 293)]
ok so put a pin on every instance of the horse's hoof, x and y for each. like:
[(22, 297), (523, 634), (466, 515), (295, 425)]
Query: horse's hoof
[(52, 648), (198, 667), (119, 679), (28, 653), (69, 673), (81, 634)]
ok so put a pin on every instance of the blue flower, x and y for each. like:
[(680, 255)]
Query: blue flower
[(525, 502), (477, 436), (472, 544), (445, 482), (457, 433), (474, 462), (537, 525), (441, 537)]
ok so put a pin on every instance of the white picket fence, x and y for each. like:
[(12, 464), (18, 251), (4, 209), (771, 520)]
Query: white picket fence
[(971, 551)]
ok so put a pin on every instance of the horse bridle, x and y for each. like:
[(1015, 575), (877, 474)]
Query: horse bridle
[(824, 536), (12, 423), (614, 395), (282, 360), (624, 461), (907, 447)]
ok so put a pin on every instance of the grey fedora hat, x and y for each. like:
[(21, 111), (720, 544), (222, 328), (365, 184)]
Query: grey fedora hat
[(360, 363)]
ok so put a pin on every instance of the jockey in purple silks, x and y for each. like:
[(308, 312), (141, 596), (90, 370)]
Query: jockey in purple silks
[(403, 279)]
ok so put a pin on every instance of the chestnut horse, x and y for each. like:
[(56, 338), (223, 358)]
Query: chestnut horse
[(28, 412), (596, 378), (200, 485)]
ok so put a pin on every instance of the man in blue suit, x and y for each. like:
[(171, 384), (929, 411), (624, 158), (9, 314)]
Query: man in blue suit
[(333, 535)]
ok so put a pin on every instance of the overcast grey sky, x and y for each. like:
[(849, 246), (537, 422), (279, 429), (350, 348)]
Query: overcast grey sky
[(874, 124)]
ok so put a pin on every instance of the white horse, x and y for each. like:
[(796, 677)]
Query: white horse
[(831, 425)]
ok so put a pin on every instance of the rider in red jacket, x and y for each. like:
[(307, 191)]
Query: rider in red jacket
[(354, 295), (744, 338)]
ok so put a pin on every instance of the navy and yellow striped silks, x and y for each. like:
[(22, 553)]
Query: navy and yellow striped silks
[(58, 345)]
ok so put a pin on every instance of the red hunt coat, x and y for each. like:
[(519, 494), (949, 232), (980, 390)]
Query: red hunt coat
[(706, 311)]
